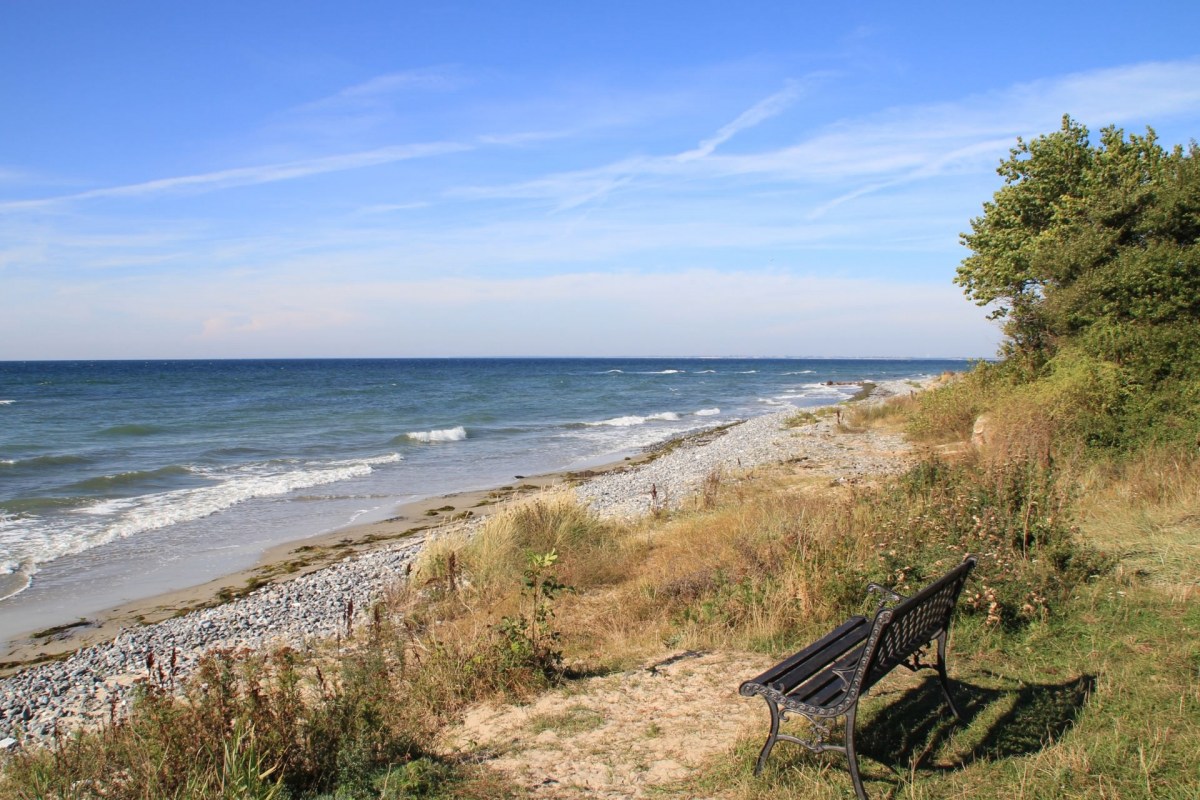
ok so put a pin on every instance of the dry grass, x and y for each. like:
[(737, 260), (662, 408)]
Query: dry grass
[(1147, 509)]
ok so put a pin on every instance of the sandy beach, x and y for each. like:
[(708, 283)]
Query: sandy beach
[(302, 592)]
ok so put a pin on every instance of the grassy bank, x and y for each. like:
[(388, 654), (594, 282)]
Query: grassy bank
[(1075, 651)]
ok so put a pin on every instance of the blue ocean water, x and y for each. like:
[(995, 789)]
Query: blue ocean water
[(111, 471)]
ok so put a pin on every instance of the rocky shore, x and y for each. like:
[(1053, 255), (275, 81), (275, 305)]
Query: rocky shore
[(97, 681), (666, 481)]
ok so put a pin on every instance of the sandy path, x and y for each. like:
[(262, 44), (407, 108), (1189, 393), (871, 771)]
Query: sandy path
[(621, 735)]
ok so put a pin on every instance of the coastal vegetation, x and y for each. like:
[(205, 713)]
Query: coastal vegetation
[(1071, 467)]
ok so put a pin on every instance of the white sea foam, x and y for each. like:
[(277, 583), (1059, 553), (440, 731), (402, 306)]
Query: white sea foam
[(823, 390), (14, 579), (390, 458), (801, 372), (445, 435), (632, 420), (708, 412), (706, 372), (39, 540), (7, 402), (749, 372)]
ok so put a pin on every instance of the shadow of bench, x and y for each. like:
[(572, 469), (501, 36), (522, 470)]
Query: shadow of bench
[(1028, 717)]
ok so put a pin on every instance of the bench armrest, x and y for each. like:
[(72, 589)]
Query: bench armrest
[(888, 594)]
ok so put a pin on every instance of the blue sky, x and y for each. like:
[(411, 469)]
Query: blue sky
[(303, 179)]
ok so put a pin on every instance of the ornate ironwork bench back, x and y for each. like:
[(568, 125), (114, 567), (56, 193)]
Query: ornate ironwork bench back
[(826, 679)]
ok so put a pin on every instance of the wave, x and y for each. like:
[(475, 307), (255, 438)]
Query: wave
[(706, 372), (130, 478), (132, 430), (82, 524), (42, 461), (828, 390), (14, 579), (631, 420), (708, 412), (24, 506), (457, 434), (614, 372), (390, 458), (7, 402), (749, 372), (236, 450), (801, 372)]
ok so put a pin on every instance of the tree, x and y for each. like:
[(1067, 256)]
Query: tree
[(1091, 245)]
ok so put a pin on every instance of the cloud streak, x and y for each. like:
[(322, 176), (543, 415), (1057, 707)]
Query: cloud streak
[(755, 115), (249, 176)]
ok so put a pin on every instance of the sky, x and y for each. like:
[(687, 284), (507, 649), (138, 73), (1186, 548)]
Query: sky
[(393, 179)]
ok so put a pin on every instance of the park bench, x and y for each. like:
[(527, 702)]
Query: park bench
[(825, 680)]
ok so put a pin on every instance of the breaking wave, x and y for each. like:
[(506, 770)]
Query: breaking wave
[(457, 434)]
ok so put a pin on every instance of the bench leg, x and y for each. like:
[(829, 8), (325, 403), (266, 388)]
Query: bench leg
[(944, 679), (852, 754), (771, 738)]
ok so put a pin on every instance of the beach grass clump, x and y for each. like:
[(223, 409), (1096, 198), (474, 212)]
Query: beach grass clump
[(947, 412), (891, 413), (800, 418), (497, 554)]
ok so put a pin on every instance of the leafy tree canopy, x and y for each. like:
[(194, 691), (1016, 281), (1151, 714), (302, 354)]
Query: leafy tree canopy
[(1086, 240)]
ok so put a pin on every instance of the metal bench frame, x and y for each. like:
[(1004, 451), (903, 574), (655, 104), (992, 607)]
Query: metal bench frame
[(825, 680)]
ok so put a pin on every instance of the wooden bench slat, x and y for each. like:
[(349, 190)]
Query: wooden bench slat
[(831, 689), (820, 658), (801, 666)]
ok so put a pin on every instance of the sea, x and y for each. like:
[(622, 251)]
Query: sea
[(120, 480)]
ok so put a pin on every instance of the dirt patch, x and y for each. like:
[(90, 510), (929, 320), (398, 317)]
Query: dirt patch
[(620, 735)]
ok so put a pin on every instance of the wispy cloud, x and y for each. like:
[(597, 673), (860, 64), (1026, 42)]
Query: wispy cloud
[(367, 110), (246, 176), (574, 189), (440, 78), (859, 214), (382, 90), (755, 115)]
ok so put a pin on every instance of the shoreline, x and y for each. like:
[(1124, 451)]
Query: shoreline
[(277, 564), (306, 591)]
